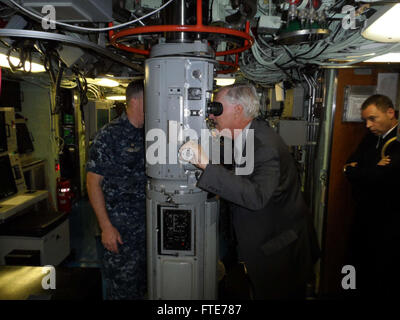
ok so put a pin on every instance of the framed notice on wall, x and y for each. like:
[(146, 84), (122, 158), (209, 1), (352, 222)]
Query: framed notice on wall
[(388, 84), (354, 96)]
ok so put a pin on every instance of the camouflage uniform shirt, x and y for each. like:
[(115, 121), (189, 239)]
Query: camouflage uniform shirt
[(117, 154)]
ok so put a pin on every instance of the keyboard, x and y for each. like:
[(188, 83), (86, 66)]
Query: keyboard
[(14, 204)]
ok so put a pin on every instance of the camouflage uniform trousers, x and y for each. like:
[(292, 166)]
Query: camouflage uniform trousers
[(125, 272)]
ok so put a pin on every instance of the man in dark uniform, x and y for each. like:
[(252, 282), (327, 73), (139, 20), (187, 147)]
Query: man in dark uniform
[(375, 178), (116, 184), (276, 240)]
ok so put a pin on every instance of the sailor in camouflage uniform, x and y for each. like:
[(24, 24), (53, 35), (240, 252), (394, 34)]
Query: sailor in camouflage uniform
[(116, 184)]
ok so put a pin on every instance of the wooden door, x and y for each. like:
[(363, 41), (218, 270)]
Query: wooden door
[(340, 212)]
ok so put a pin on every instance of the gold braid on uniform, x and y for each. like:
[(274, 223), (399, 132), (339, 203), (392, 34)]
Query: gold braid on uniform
[(386, 145)]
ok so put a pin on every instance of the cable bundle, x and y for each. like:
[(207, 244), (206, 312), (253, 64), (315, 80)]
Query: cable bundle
[(268, 63)]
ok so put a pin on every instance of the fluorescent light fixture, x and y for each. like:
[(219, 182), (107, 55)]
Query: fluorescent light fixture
[(364, 55), (384, 25), (107, 82), (103, 82), (118, 98), (388, 57), (225, 80), (33, 67)]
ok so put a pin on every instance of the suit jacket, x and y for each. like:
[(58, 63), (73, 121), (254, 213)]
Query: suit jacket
[(375, 188), (371, 182), (268, 210)]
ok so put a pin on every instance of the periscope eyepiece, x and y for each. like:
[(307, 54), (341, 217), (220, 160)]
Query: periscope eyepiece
[(215, 108)]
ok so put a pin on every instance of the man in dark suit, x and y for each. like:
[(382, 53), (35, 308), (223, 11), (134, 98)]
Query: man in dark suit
[(375, 179), (269, 214)]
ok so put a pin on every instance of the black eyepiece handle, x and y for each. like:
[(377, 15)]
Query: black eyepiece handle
[(215, 108)]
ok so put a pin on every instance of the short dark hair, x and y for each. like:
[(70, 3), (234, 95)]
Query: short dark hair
[(134, 89), (383, 103)]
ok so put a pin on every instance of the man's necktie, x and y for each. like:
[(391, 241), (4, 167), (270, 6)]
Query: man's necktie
[(379, 143)]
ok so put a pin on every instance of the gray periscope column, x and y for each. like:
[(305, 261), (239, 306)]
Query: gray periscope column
[(182, 223)]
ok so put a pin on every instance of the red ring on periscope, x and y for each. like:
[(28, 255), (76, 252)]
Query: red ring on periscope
[(198, 28)]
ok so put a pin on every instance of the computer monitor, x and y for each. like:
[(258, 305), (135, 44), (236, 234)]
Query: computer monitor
[(7, 183)]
